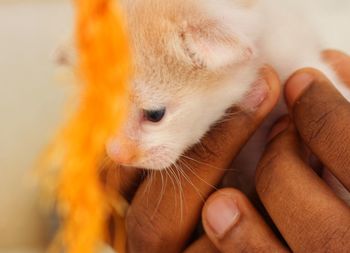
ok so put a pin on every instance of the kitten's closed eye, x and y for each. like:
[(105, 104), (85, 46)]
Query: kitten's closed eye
[(154, 115)]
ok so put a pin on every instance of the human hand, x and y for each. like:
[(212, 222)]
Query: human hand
[(307, 213), (166, 207)]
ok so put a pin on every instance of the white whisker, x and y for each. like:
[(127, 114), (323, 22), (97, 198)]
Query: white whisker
[(191, 183), (196, 175), (181, 192), (161, 194)]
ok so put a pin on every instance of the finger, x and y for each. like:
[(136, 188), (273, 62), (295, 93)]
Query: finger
[(202, 245), (307, 213), (233, 225), (340, 62), (120, 185), (124, 181), (322, 117), (166, 208)]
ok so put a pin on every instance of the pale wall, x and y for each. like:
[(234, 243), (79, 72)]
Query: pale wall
[(30, 99)]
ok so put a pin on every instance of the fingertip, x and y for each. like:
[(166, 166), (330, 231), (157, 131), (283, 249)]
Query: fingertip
[(235, 203), (298, 83), (221, 213), (269, 73), (340, 63), (246, 232), (334, 56), (263, 93), (272, 80)]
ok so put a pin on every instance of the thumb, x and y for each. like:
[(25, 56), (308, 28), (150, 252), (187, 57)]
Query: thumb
[(233, 225)]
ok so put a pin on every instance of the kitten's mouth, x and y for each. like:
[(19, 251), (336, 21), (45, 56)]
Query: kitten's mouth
[(154, 158)]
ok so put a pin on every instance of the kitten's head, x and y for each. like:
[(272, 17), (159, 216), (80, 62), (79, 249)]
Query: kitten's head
[(192, 60)]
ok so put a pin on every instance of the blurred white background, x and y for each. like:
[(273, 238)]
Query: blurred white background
[(31, 99)]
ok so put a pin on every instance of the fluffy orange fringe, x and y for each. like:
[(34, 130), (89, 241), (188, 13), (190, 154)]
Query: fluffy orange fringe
[(103, 66)]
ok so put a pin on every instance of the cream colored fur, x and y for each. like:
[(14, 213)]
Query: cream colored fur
[(197, 58)]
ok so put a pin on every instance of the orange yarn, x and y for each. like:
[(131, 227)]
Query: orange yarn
[(103, 66)]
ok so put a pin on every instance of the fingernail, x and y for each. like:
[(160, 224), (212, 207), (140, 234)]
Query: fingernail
[(296, 85), (222, 214), (281, 125), (256, 96)]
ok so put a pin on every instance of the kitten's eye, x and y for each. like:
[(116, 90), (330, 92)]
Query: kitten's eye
[(154, 115)]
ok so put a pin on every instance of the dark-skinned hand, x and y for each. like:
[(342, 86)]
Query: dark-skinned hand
[(309, 216), (307, 213)]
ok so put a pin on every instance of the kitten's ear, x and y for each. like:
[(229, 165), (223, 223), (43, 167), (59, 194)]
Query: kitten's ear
[(214, 46)]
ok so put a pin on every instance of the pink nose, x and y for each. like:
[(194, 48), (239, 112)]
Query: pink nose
[(121, 152)]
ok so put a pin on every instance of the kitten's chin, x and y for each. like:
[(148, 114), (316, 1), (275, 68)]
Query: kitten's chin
[(156, 165), (157, 158)]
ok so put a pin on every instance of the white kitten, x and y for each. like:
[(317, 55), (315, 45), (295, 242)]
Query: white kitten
[(193, 59)]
